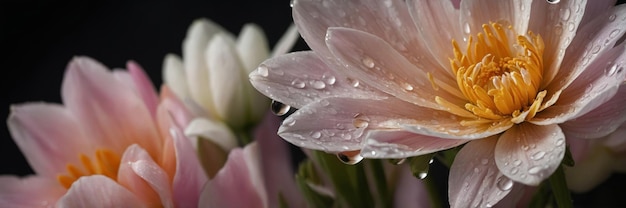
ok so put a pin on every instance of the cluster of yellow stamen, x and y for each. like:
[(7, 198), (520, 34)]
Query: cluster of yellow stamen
[(106, 162), (498, 77)]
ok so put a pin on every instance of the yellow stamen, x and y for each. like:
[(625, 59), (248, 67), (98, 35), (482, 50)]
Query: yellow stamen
[(106, 162), (500, 75)]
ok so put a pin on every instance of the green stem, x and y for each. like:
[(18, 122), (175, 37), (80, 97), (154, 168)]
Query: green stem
[(381, 184), (559, 189), (433, 192)]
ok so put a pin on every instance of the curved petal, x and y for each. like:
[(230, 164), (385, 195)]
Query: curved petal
[(589, 172), (98, 191), (41, 132), (595, 9), (529, 153), (475, 13), (144, 86), (189, 177), (557, 25), (225, 76), (275, 160), (597, 84), (389, 20), (475, 180), (299, 78), (174, 75), (196, 68), (140, 174), (180, 113), (593, 41), (430, 17), (31, 191), (216, 132), (112, 115), (252, 46), (371, 60), (601, 121), (238, 183), (402, 144), (286, 42)]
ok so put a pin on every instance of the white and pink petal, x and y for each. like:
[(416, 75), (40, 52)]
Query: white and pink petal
[(98, 191)]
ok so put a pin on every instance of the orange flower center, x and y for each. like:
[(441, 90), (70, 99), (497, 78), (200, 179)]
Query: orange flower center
[(105, 162), (499, 77)]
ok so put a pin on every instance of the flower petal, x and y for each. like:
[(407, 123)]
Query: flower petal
[(593, 41), (299, 78), (557, 24), (189, 176), (402, 144), (196, 68), (112, 114), (371, 60), (41, 131), (98, 191), (31, 191), (252, 46), (589, 172), (430, 17), (389, 20), (597, 84), (475, 180), (140, 174), (217, 132), (225, 76), (238, 183), (144, 86), (475, 13), (275, 162), (286, 42), (601, 121), (529, 153), (174, 75)]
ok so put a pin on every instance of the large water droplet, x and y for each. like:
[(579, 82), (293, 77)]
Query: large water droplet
[(279, 108), (360, 121), (422, 175), (368, 62), (329, 79), (613, 70), (553, 1), (316, 135), (534, 170), (350, 157), (538, 155), (318, 84), (263, 70), (504, 183), (297, 83), (353, 82)]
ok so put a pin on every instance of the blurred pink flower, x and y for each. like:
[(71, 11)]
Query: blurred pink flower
[(510, 79), (112, 144)]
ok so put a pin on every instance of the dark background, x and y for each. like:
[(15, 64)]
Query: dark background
[(38, 39)]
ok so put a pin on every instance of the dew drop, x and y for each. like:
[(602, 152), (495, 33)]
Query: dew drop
[(291, 3), (538, 155), (476, 170), (350, 157), (504, 183), (565, 13), (595, 49), (466, 28), (318, 84), (368, 62), (316, 135), (279, 108), (484, 161), (360, 121), (431, 161), (407, 86), (514, 171), (297, 83), (353, 82), (289, 122), (422, 175), (559, 142), (329, 79), (525, 147), (612, 70), (558, 29), (534, 170), (614, 33), (517, 162), (262, 70), (612, 17), (553, 1)]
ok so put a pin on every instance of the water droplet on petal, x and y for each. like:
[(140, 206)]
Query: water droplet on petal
[(565, 13), (517, 162), (360, 121), (350, 157), (368, 62), (534, 170), (614, 33), (538, 155), (316, 135), (297, 83), (263, 70), (289, 122), (466, 28), (553, 1), (484, 161), (422, 175), (353, 82), (504, 183), (329, 79), (514, 171), (279, 108), (559, 142), (612, 17), (407, 86), (318, 84), (291, 3)]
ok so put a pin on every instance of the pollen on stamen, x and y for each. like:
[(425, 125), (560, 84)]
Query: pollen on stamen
[(106, 162)]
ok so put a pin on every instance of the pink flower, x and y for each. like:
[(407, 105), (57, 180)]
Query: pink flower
[(111, 144), (509, 79)]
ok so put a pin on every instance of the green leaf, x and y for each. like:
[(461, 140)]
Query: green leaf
[(559, 189), (350, 182), (313, 198), (567, 158), (384, 194)]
